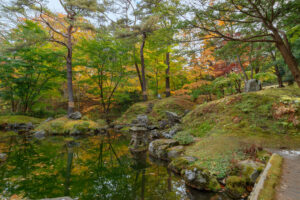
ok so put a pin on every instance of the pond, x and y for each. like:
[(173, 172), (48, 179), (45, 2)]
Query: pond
[(95, 167)]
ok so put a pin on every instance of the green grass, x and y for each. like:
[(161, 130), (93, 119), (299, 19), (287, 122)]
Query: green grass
[(7, 119), (272, 179)]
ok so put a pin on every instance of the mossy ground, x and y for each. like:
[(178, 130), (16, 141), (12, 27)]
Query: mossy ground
[(64, 125), (10, 119), (177, 104), (225, 128)]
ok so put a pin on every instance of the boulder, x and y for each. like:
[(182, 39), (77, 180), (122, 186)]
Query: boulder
[(75, 115), (39, 134), (250, 170), (180, 163), (49, 119), (20, 127), (174, 152), (119, 127), (152, 127), (253, 85), (158, 148), (169, 134), (142, 120), (172, 117), (3, 157), (200, 179), (163, 124), (154, 134), (102, 130)]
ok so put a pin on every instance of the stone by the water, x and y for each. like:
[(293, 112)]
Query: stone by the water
[(75, 115)]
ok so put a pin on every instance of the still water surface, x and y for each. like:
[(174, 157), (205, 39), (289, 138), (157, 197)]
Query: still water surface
[(97, 167)]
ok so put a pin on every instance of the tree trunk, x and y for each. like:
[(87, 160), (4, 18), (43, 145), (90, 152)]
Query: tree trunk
[(71, 103), (242, 68), (279, 78), (144, 88), (277, 72), (168, 92), (287, 55), (139, 74)]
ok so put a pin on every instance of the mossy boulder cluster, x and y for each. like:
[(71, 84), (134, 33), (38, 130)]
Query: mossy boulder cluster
[(198, 177), (156, 109), (160, 148), (18, 122), (194, 176), (66, 126)]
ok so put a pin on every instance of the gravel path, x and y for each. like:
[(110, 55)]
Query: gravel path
[(289, 187)]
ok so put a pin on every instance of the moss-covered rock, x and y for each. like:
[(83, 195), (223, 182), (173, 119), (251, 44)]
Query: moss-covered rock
[(18, 122), (174, 152), (250, 170), (65, 126), (158, 148), (200, 179), (236, 187), (180, 163)]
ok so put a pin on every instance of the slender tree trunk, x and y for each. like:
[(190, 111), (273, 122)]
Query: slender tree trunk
[(277, 72), (144, 89), (279, 78), (168, 92), (242, 68), (139, 74), (71, 103), (290, 60)]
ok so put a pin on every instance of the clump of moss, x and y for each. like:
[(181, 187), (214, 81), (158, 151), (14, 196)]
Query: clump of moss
[(11, 119), (184, 137), (64, 125), (272, 179), (180, 163), (236, 186)]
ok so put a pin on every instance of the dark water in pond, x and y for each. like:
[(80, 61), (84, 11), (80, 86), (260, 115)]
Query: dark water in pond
[(97, 167)]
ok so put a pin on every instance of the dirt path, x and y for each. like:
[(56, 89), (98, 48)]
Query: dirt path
[(289, 187)]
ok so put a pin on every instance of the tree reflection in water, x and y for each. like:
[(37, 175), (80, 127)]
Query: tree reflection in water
[(97, 167)]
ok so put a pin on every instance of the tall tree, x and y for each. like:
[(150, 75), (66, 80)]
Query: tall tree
[(61, 28), (257, 21), (28, 66)]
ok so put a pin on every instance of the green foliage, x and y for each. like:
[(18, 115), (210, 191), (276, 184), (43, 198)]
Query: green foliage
[(28, 67), (184, 137), (265, 77)]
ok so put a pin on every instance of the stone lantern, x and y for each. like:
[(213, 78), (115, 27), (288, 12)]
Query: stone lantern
[(139, 138)]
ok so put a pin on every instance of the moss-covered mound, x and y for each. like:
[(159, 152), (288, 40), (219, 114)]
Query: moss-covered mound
[(64, 125), (264, 117), (155, 109), (236, 128), (18, 119)]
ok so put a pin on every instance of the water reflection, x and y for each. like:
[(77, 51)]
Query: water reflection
[(86, 168)]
